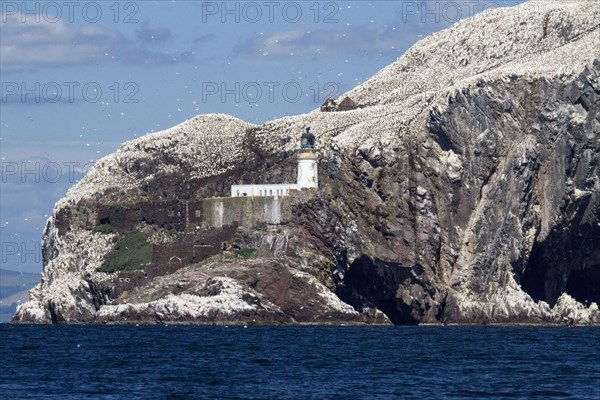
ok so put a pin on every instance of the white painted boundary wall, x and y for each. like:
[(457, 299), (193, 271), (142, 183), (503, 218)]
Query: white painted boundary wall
[(262, 190)]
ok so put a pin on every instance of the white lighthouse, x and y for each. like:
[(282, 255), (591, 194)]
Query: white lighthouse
[(308, 174)]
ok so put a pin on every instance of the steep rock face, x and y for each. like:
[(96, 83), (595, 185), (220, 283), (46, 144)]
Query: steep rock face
[(464, 188), (531, 172)]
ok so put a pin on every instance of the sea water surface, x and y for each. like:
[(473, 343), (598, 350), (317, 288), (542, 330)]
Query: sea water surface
[(261, 362)]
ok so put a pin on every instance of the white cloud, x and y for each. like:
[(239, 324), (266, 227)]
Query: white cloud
[(33, 45), (355, 40)]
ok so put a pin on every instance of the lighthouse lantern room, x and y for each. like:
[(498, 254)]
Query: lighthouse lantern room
[(308, 177)]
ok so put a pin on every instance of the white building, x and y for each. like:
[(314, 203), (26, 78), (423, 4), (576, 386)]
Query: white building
[(308, 176), (262, 190)]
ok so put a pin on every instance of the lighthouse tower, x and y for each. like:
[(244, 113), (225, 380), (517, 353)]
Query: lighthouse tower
[(308, 177)]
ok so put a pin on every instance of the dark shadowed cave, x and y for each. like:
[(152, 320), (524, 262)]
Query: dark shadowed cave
[(584, 285), (567, 261), (374, 283)]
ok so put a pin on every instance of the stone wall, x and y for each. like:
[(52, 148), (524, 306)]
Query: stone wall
[(206, 227), (173, 214), (183, 215), (245, 211), (192, 248)]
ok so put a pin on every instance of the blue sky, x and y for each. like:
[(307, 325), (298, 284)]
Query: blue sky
[(80, 78)]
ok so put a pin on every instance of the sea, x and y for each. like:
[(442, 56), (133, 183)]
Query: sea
[(298, 362)]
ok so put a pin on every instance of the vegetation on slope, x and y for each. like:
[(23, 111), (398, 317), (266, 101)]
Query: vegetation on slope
[(131, 252)]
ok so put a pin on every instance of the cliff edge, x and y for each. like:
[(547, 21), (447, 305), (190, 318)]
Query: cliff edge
[(461, 186)]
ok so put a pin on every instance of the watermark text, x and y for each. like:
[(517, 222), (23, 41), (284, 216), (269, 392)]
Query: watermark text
[(254, 12), (70, 11), (271, 92), (69, 92), (49, 172), (21, 252)]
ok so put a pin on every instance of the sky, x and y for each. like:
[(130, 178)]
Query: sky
[(80, 78)]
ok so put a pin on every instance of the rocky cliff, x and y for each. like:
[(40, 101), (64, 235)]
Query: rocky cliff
[(462, 187)]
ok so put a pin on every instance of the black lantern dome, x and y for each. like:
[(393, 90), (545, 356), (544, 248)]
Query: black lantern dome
[(307, 141)]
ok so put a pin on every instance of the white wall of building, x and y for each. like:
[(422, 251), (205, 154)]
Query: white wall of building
[(308, 177), (262, 190)]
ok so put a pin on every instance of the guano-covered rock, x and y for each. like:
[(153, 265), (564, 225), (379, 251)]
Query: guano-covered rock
[(462, 187)]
